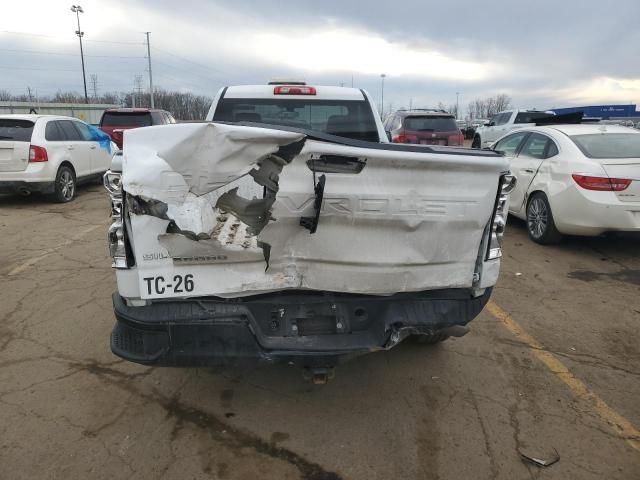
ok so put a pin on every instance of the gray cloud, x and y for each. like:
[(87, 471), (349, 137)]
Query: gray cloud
[(544, 48)]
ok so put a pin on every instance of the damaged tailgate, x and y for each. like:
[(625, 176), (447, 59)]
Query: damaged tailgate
[(229, 210)]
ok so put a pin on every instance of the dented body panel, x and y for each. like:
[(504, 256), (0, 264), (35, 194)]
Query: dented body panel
[(286, 235), (409, 221)]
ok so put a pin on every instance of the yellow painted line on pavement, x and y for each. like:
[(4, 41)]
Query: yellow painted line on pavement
[(623, 427), (45, 253)]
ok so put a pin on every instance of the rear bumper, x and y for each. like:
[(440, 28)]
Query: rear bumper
[(312, 329), (11, 186), (583, 212)]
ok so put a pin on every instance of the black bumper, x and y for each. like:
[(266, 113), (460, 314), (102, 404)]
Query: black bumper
[(310, 329), (26, 187)]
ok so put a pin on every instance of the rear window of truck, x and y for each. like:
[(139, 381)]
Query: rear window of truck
[(344, 118), (425, 123), (125, 119), (16, 130)]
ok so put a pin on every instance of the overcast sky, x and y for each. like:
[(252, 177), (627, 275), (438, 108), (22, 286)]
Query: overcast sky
[(543, 54)]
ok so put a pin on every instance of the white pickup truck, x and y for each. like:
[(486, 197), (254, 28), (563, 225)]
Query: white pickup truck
[(503, 122), (286, 228)]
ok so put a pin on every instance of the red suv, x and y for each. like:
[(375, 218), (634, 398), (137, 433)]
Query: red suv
[(115, 120), (426, 127)]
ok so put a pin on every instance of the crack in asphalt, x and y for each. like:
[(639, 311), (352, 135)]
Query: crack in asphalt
[(220, 431)]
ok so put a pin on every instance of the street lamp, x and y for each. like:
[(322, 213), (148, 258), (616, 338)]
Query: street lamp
[(77, 9), (382, 76), (457, 106)]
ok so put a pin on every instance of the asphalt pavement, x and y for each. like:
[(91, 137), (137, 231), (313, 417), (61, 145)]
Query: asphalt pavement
[(551, 365)]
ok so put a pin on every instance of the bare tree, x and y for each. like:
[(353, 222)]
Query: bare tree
[(471, 112), (183, 106), (487, 107), (503, 102), (480, 108)]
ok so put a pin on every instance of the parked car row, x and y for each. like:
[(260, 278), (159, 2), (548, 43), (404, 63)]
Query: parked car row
[(572, 179)]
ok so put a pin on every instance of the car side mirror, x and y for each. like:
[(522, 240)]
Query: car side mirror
[(388, 135), (489, 124)]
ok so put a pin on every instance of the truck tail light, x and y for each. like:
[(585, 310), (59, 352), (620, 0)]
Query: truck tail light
[(607, 184), (294, 90), (37, 154), (501, 210), (116, 236), (404, 138)]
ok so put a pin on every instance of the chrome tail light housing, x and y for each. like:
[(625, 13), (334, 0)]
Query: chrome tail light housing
[(116, 233), (500, 212)]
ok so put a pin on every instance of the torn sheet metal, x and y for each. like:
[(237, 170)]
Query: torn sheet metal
[(167, 162), (231, 199)]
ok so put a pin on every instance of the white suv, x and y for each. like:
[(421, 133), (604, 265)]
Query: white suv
[(50, 154)]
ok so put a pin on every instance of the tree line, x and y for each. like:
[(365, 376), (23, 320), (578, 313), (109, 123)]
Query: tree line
[(182, 105), (488, 107), (478, 108)]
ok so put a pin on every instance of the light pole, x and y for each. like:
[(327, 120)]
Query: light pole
[(457, 105), (382, 76), (77, 9), (150, 74)]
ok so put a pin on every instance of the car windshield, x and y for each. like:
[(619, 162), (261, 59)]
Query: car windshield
[(344, 118), (126, 119), (16, 130), (609, 145), (430, 124)]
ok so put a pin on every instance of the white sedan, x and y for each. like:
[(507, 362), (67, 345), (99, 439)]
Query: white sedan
[(574, 179)]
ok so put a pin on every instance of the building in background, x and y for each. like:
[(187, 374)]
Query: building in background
[(605, 112), (89, 113)]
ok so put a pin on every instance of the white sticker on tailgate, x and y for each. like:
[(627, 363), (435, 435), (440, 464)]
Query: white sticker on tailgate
[(166, 284)]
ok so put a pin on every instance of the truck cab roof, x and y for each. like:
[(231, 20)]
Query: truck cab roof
[(269, 91), (342, 111)]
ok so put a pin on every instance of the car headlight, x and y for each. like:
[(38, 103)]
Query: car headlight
[(500, 212)]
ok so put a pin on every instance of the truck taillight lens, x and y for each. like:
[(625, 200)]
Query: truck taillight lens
[(501, 210), (294, 90), (607, 184), (116, 236), (37, 154), (402, 138)]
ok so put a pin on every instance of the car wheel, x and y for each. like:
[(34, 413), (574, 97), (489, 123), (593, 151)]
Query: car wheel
[(431, 339), (476, 142), (540, 225), (65, 185)]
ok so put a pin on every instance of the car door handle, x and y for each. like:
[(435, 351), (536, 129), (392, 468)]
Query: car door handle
[(92, 147), (69, 147), (529, 170)]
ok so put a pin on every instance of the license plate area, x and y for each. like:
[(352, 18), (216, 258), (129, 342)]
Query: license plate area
[(317, 325), (307, 320)]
